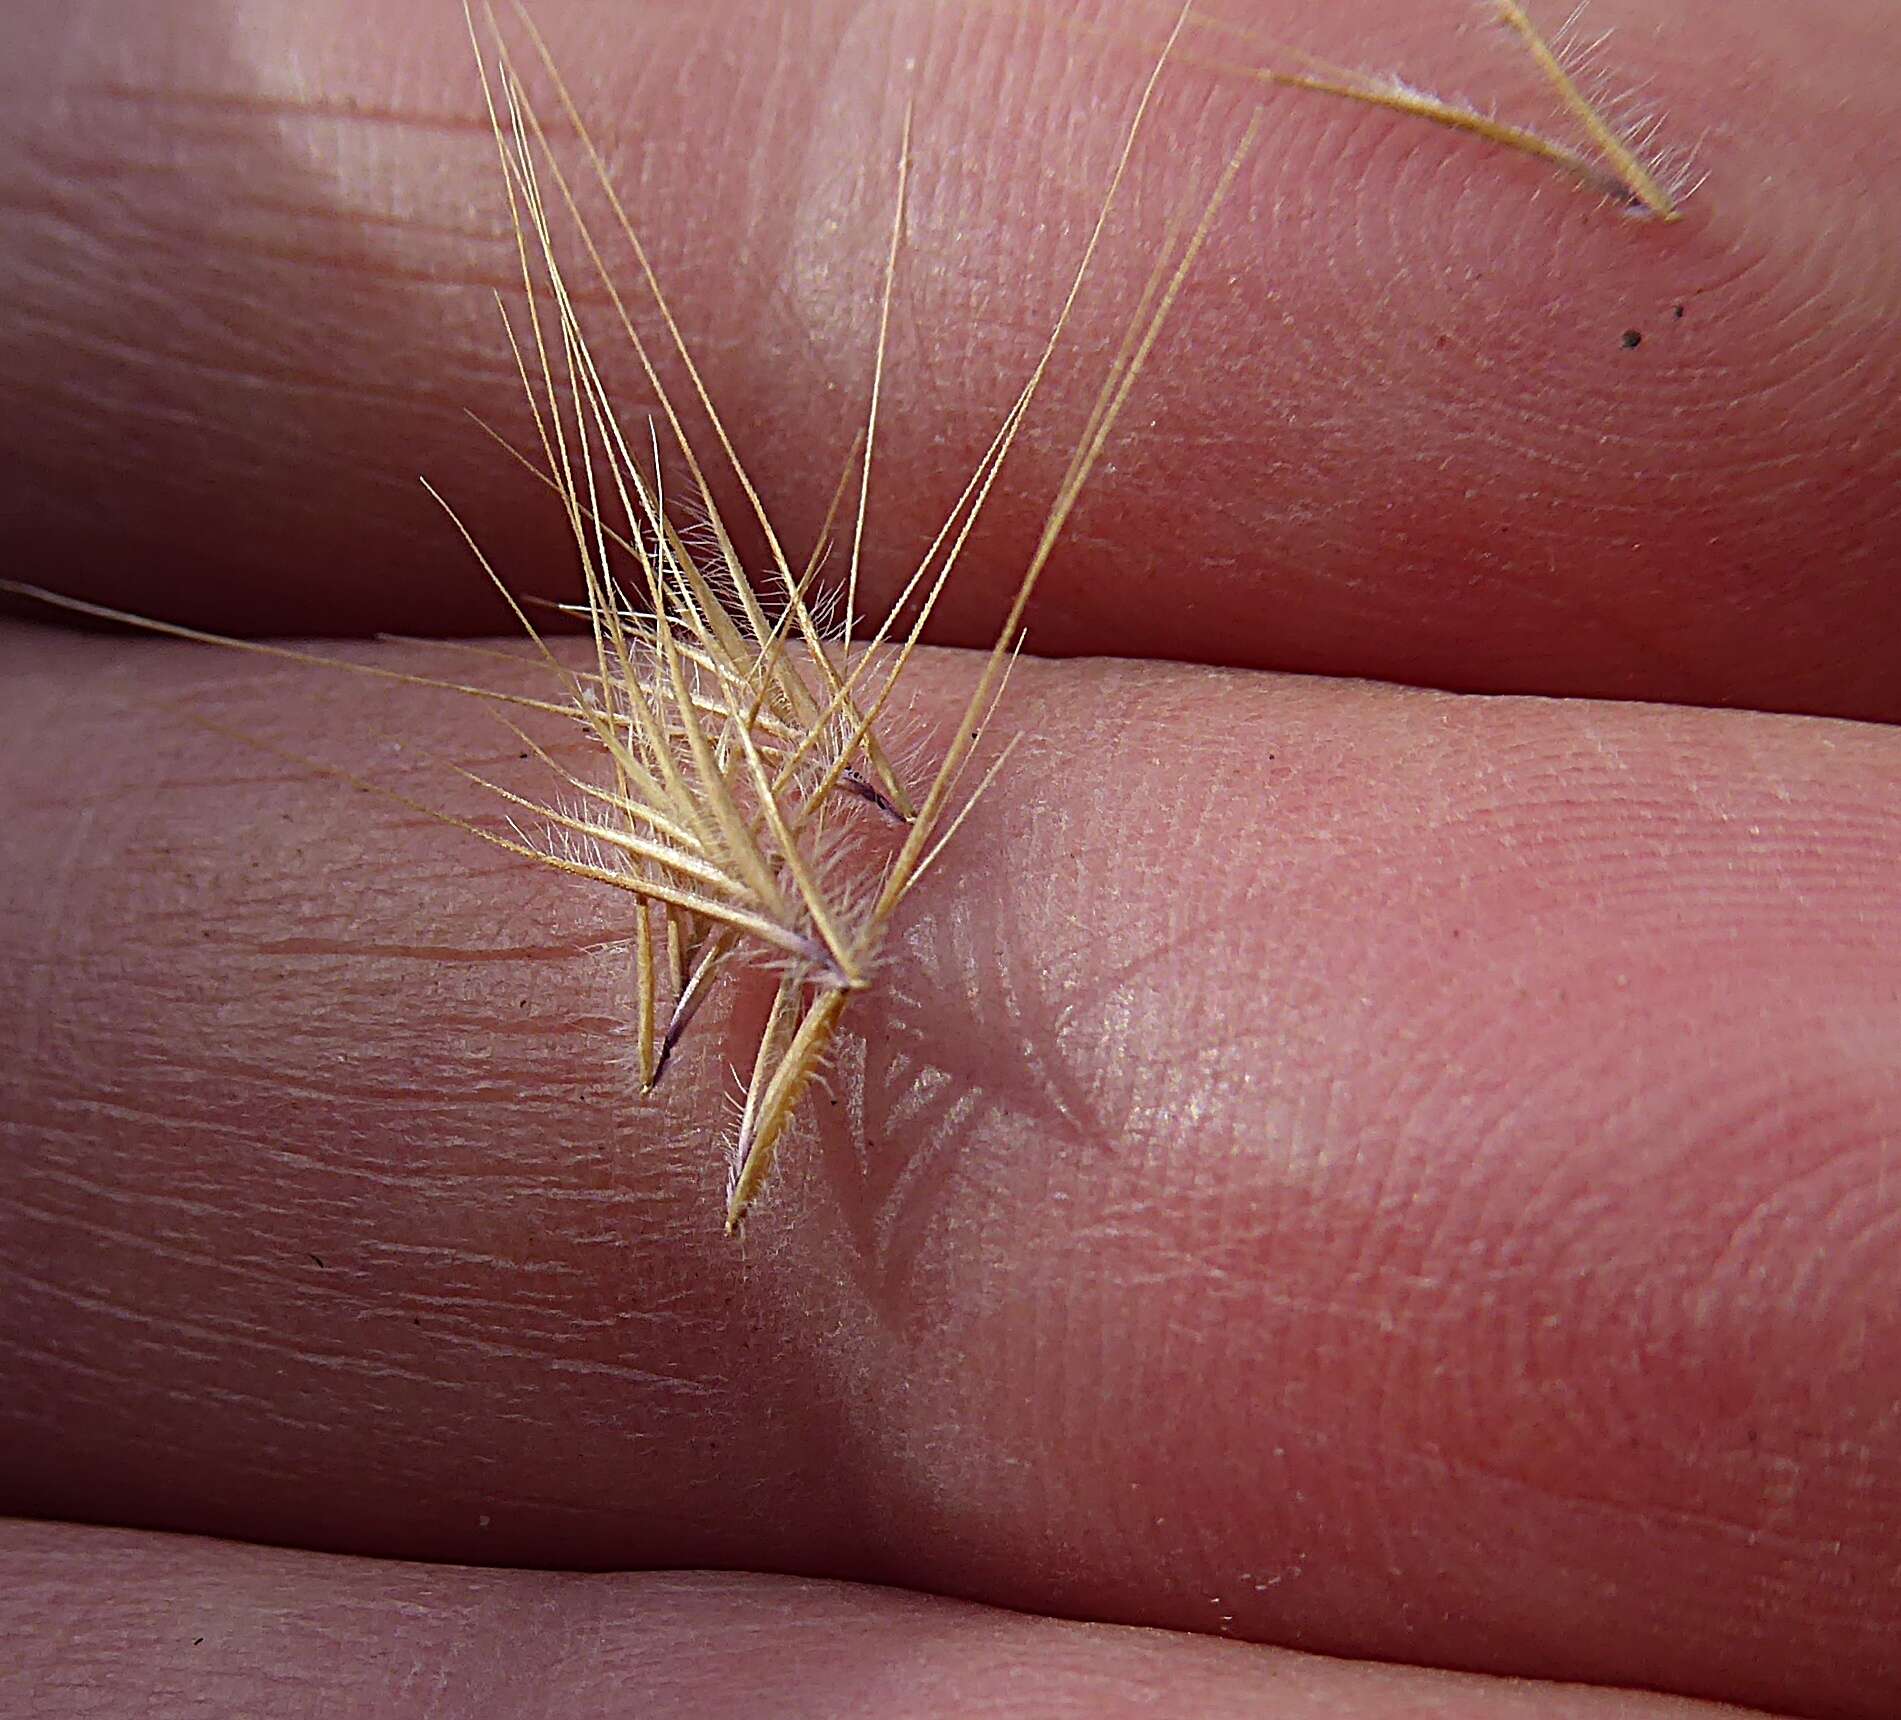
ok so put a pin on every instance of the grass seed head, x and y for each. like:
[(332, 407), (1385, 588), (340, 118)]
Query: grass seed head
[(739, 736)]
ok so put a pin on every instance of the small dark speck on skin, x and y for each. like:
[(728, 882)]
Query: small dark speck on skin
[(524, 755), (317, 1260), (198, 1642), (1677, 312), (1632, 338)]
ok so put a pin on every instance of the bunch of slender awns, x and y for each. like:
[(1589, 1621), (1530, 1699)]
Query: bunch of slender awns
[(740, 725)]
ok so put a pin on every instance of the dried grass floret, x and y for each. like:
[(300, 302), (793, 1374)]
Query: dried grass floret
[(739, 730)]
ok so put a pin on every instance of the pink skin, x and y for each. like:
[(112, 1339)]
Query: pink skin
[(1359, 1170)]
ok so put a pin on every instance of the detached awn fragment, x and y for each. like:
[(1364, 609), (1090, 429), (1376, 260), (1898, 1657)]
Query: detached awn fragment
[(1608, 164)]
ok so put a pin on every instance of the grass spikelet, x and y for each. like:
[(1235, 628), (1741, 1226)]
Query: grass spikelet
[(725, 759), (740, 729), (1613, 165)]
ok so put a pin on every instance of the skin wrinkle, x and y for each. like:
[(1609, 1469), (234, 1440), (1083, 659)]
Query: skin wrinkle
[(112, 1385)]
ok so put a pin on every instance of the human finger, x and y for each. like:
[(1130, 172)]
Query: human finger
[(1427, 411), (1385, 1173), (111, 1622)]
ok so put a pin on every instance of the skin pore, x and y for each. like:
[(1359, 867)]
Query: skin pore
[(1357, 1169)]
